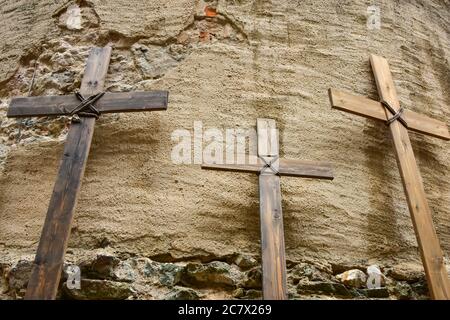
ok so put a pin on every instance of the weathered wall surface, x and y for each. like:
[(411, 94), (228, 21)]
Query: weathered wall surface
[(225, 63)]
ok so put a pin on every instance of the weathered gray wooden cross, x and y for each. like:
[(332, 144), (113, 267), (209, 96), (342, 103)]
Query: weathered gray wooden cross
[(427, 239), (270, 168), (45, 276)]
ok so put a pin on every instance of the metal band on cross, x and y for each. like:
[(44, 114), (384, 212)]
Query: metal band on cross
[(269, 164), (397, 115), (87, 107)]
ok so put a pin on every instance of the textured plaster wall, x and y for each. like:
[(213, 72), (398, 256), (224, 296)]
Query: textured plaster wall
[(225, 65)]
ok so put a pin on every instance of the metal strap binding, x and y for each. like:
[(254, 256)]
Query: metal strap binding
[(397, 115), (87, 107), (269, 164)]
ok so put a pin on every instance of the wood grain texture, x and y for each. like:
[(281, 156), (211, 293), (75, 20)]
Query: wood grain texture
[(272, 238), (111, 102), (271, 216), (375, 110), (287, 167), (47, 267), (432, 258)]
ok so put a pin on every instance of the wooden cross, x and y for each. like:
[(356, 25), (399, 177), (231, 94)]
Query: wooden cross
[(47, 267), (270, 168), (427, 239)]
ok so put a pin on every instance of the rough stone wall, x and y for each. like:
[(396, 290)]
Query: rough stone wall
[(147, 228)]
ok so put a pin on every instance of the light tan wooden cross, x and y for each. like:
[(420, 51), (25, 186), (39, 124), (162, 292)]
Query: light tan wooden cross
[(432, 257), (270, 168)]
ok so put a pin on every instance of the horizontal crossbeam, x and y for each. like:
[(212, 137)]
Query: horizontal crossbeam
[(111, 102), (375, 110), (292, 168)]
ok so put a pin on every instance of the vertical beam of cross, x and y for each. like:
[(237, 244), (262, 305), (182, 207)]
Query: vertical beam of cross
[(47, 267), (271, 216), (427, 239)]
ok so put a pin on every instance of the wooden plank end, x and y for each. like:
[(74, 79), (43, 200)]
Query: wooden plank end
[(331, 95), (329, 174), (445, 136), (376, 58), (13, 111), (166, 99)]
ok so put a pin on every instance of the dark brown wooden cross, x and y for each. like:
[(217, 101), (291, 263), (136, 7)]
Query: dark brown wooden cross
[(270, 168), (427, 239), (47, 267)]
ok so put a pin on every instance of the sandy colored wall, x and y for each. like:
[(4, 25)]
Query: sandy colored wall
[(251, 59)]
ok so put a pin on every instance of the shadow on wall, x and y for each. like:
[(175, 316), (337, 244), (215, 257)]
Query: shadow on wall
[(383, 233)]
